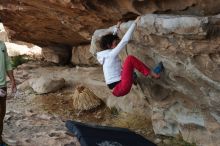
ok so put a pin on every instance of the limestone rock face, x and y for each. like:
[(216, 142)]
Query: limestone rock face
[(71, 22), (185, 100), (56, 55), (82, 56), (18, 49)]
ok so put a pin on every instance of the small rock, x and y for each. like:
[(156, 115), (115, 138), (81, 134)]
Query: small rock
[(9, 140), (157, 141), (166, 141), (7, 117), (46, 84)]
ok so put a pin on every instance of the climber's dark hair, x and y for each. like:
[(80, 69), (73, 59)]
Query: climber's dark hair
[(107, 40)]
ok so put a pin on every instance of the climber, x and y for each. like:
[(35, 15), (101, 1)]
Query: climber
[(117, 78)]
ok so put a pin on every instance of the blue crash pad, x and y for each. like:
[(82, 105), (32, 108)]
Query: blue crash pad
[(93, 135)]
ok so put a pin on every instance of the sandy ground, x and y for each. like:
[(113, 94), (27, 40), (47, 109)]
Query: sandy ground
[(39, 120)]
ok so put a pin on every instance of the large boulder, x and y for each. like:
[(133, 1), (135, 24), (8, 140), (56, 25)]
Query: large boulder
[(186, 99), (73, 22), (46, 84)]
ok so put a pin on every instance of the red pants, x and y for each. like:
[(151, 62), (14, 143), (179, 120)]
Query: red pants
[(130, 63)]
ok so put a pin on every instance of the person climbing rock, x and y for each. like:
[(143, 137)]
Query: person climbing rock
[(5, 68), (118, 78)]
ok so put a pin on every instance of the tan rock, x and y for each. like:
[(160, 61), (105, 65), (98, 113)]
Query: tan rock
[(56, 55), (82, 56), (46, 84), (16, 50), (73, 22)]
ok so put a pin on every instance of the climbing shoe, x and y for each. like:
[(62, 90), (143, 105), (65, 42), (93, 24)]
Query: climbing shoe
[(135, 78), (159, 68)]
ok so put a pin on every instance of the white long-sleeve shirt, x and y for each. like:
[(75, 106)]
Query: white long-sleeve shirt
[(110, 59)]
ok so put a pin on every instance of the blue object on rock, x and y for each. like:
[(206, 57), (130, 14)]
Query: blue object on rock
[(159, 68), (3, 144)]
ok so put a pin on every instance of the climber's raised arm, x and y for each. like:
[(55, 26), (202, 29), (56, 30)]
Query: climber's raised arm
[(126, 38)]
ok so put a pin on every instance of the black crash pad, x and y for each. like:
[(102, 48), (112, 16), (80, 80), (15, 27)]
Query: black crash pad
[(93, 135)]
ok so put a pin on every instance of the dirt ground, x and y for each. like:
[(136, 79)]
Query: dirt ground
[(39, 120)]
